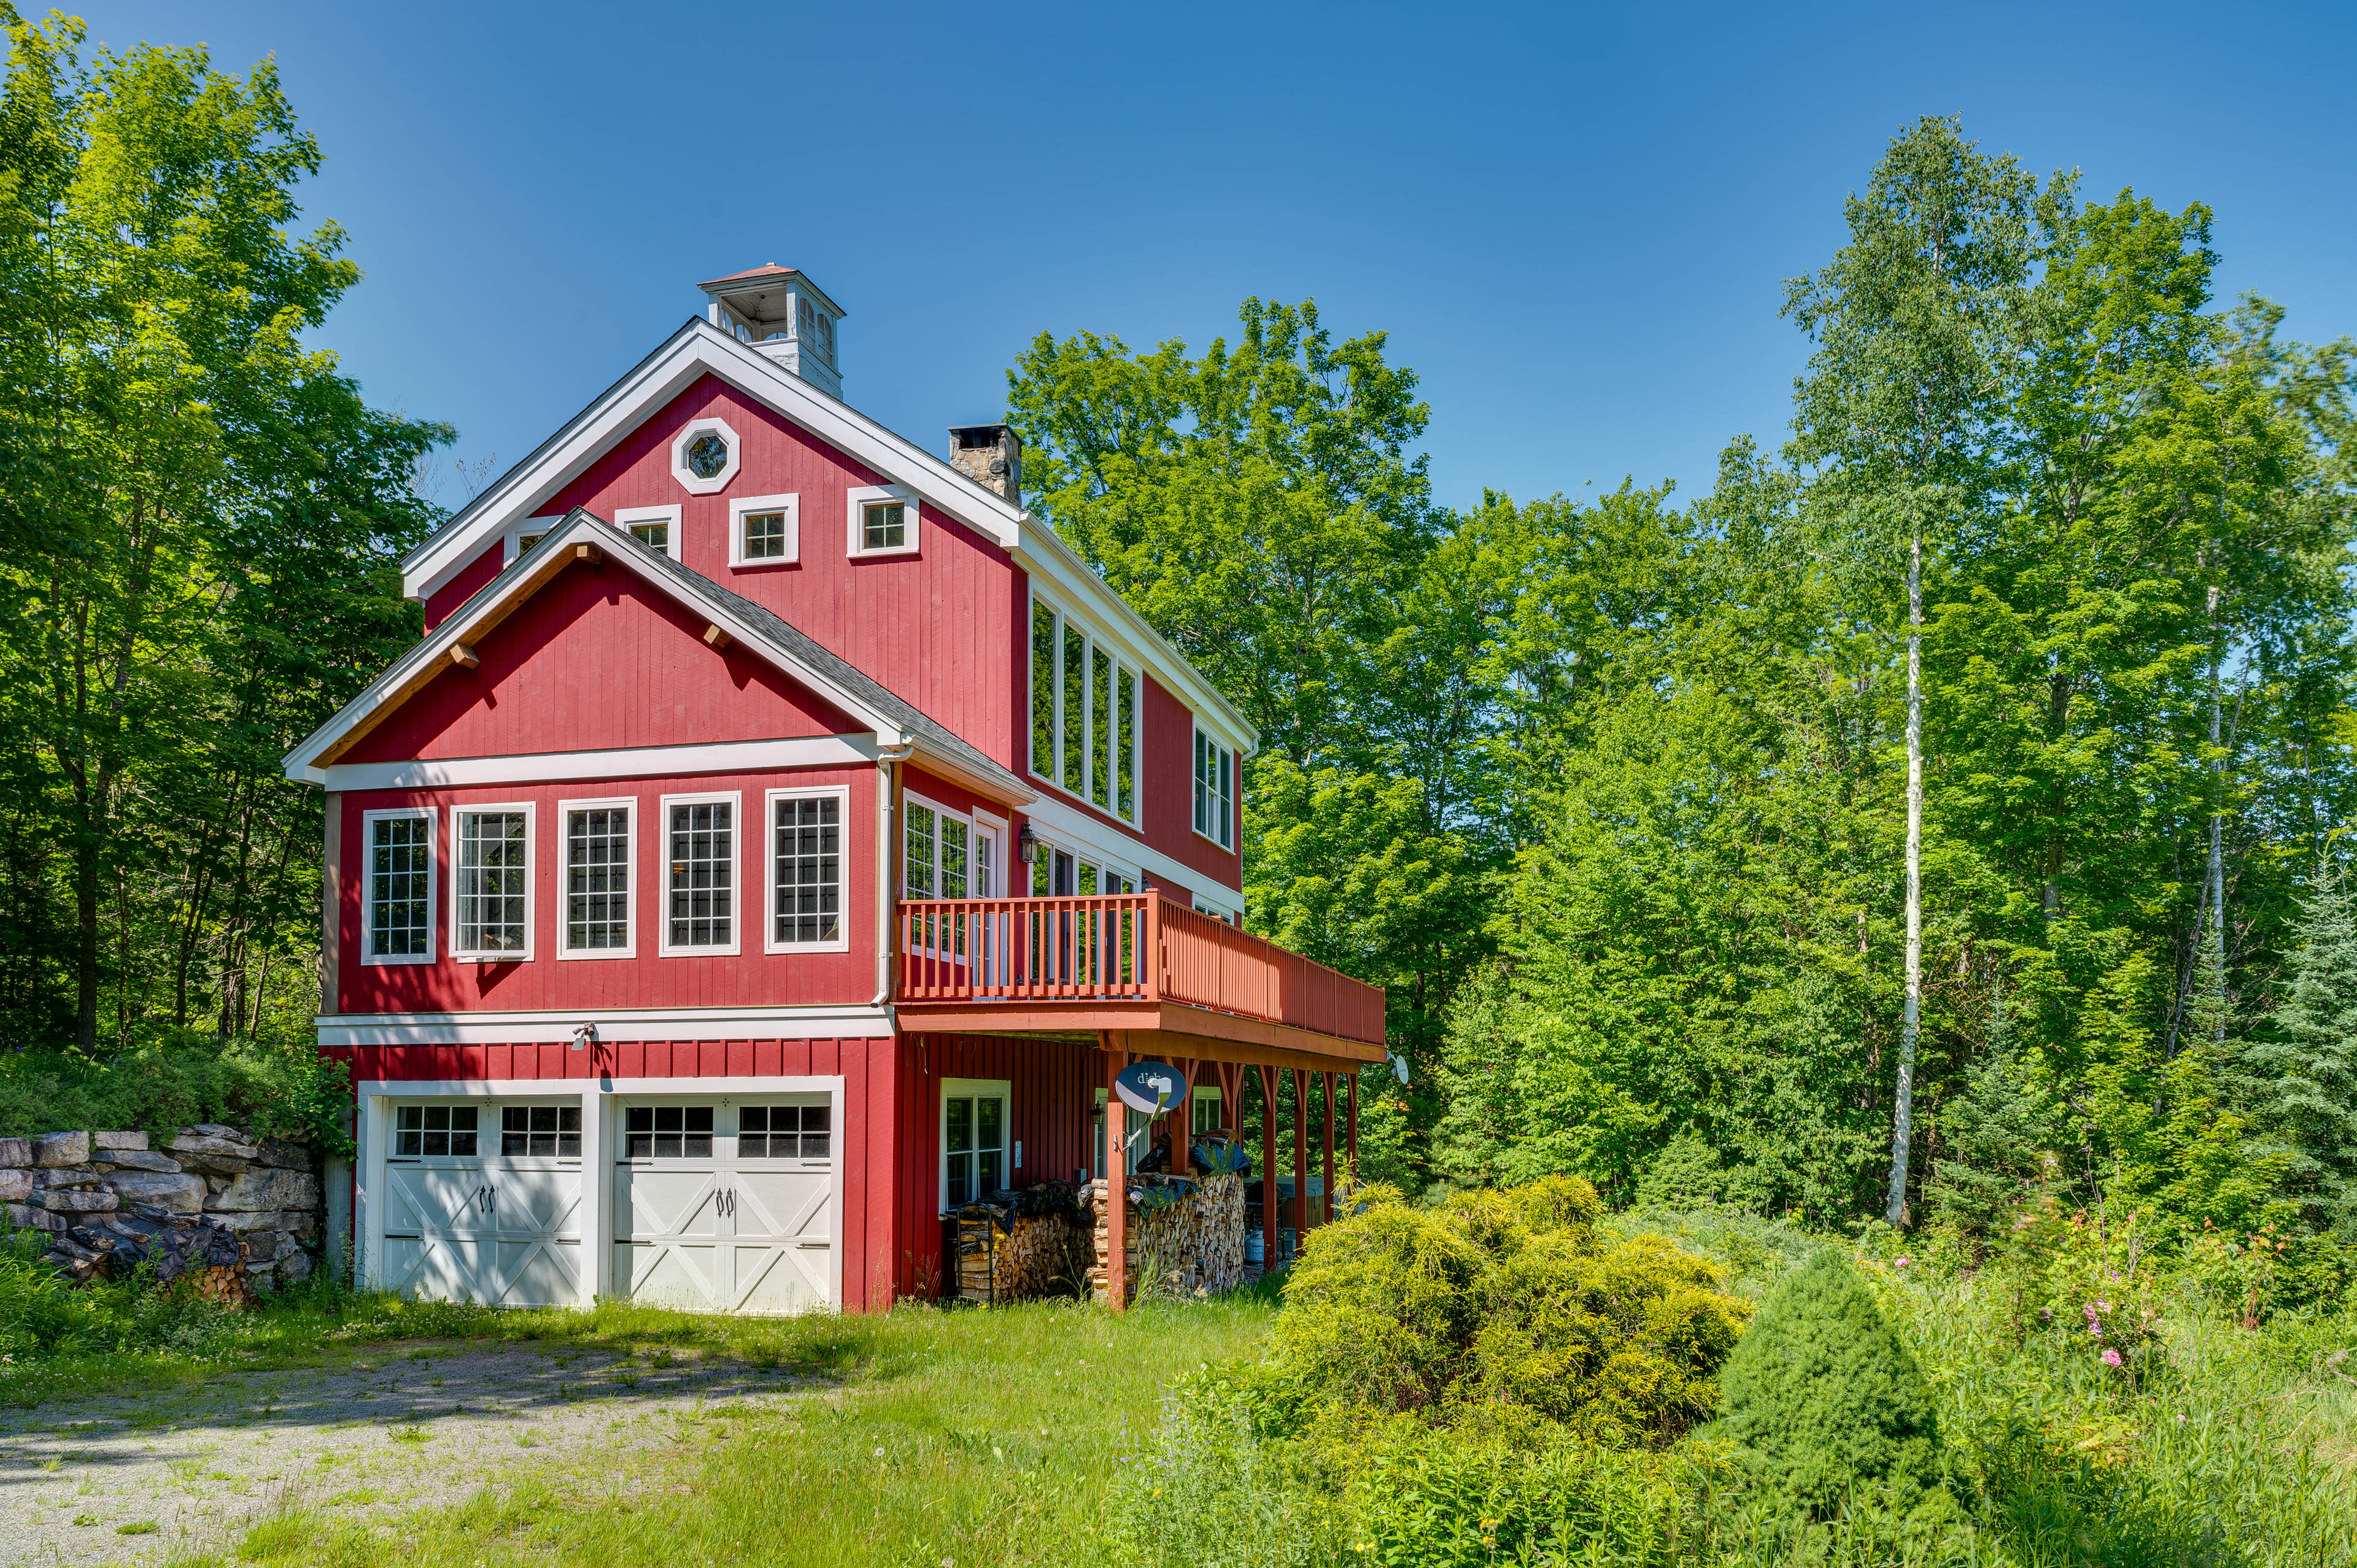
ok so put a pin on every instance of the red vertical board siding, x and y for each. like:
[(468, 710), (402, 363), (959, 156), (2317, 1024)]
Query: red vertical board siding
[(465, 585)]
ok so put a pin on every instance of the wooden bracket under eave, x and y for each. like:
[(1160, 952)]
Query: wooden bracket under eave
[(717, 637), (463, 655), (589, 553)]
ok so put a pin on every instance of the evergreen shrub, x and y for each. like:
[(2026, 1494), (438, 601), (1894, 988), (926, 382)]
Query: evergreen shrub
[(1825, 1398)]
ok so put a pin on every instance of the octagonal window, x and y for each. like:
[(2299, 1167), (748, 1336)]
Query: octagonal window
[(707, 455)]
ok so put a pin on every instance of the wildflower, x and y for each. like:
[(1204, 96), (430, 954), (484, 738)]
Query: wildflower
[(2112, 1359), (1900, 1261)]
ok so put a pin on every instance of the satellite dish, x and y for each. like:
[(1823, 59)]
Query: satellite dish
[(1399, 1066), (1150, 1086)]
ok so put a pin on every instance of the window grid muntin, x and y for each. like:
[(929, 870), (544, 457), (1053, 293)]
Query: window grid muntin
[(401, 888), (806, 854), (551, 1130), (701, 886), (784, 1132), (493, 874), (667, 1132), (597, 879), (434, 1132), (653, 535), (884, 525), (765, 535)]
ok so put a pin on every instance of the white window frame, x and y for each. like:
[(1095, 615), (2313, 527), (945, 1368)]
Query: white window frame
[(530, 880), (967, 1088), (368, 874), (740, 507), (859, 496), (626, 517), (629, 805), (686, 476), (1205, 1094), (1222, 752), (511, 541), (770, 943), (1082, 855), (659, 843), (1124, 669)]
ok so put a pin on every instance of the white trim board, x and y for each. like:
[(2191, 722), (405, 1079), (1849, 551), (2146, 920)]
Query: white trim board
[(485, 1087), (623, 762), (614, 1025)]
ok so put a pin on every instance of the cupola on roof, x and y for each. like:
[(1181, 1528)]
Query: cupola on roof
[(784, 315)]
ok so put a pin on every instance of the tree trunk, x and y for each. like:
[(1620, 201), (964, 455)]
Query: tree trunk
[(2215, 933), (1910, 1018)]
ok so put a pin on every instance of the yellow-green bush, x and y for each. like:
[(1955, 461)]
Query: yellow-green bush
[(1505, 1309)]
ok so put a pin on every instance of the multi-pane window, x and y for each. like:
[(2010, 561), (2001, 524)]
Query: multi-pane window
[(884, 525), (540, 1130), (1209, 1115), (974, 1151), (703, 893), (493, 868), (765, 535), (400, 887), (597, 880), (1083, 715), (946, 855), (807, 854), (653, 535), (667, 1132), (428, 1131), (1215, 791), (783, 1131)]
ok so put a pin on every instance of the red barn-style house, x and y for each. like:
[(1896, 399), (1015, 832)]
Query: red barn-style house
[(778, 837)]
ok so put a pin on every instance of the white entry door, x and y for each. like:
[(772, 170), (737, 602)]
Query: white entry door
[(483, 1202), (727, 1203)]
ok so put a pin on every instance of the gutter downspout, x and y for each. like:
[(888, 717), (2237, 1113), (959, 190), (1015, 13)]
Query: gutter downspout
[(887, 761)]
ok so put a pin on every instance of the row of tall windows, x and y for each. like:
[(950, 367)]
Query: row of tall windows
[(698, 909), (1085, 711)]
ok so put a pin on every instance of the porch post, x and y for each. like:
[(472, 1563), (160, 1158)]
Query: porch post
[(1353, 1084), (1182, 1119), (1116, 1178), (1325, 1198), (1300, 1159), (1267, 1165)]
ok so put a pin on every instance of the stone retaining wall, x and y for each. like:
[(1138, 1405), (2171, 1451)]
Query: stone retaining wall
[(267, 1189)]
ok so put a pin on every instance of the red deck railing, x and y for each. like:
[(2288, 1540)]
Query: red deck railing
[(1128, 947)]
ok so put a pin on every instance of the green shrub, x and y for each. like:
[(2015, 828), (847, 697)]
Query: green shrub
[(280, 1091), (1823, 1395), (1505, 1309)]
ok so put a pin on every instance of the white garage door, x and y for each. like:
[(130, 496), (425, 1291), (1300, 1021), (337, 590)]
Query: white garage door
[(483, 1202), (725, 1203)]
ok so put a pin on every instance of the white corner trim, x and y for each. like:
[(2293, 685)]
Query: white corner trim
[(628, 517), (624, 762), (859, 497), (742, 507), (1077, 830), (433, 884), (530, 880), (842, 796), (846, 1021), (688, 480), (659, 846), (633, 893)]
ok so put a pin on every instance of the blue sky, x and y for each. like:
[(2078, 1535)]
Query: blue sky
[(1573, 220)]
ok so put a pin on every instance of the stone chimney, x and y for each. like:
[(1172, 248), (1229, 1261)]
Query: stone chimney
[(991, 455)]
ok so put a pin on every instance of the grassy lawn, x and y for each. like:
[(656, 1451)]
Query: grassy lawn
[(930, 1436)]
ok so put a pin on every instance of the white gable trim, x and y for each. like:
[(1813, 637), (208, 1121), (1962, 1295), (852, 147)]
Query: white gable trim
[(697, 349)]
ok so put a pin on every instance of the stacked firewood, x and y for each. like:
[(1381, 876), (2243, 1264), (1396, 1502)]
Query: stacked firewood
[(115, 1246), (1018, 1246), (1186, 1236)]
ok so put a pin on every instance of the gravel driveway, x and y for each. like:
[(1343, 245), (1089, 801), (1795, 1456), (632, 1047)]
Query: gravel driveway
[(82, 1481)]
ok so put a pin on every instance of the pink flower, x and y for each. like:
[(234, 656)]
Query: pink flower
[(2112, 1359), (1901, 1262)]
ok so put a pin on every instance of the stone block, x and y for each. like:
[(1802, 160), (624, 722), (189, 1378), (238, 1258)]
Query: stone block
[(294, 1264), (16, 1152), (73, 1175), (264, 1187), (243, 1221), (141, 1160), (25, 1217), (54, 1149), (218, 1130), (16, 1185), (118, 1140), (180, 1194), (74, 1200), (199, 1140), (284, 1154), (263, 1245)]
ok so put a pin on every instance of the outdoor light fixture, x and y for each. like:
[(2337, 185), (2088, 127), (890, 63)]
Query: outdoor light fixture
[(584, 1037), (1027, 848)]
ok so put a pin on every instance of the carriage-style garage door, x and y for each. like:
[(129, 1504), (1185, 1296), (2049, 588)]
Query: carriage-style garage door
[(725, 1203), (484, 1202)]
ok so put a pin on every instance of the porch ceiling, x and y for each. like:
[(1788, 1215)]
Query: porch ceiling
[(1168, 1028)]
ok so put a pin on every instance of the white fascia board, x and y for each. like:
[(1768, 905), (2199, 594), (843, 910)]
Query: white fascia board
[(302, 762), (605, 1083), (938, 761), (621, 762), (1078, 828), (697, 348), (1116, 620), (613, 1025)]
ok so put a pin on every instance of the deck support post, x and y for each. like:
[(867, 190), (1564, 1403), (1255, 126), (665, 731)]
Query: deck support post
[(1116, 1176), (1300, 1159), (1353, 1084), (1267, 1166), (1182, 1118), (1326, 1197)]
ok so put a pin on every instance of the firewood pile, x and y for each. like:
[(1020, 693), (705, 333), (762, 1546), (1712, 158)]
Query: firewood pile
[(1186, 1236), (1019, 1245), (114, 1246)]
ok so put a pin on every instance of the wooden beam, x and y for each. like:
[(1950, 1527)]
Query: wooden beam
[(1300, 1158), (1353, 1082), (1182, 1122), (1207, 1035), (1267, 1168), (1116, 1178), (717, 637), (463, 656), (589, 553), (1325, 1198)]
